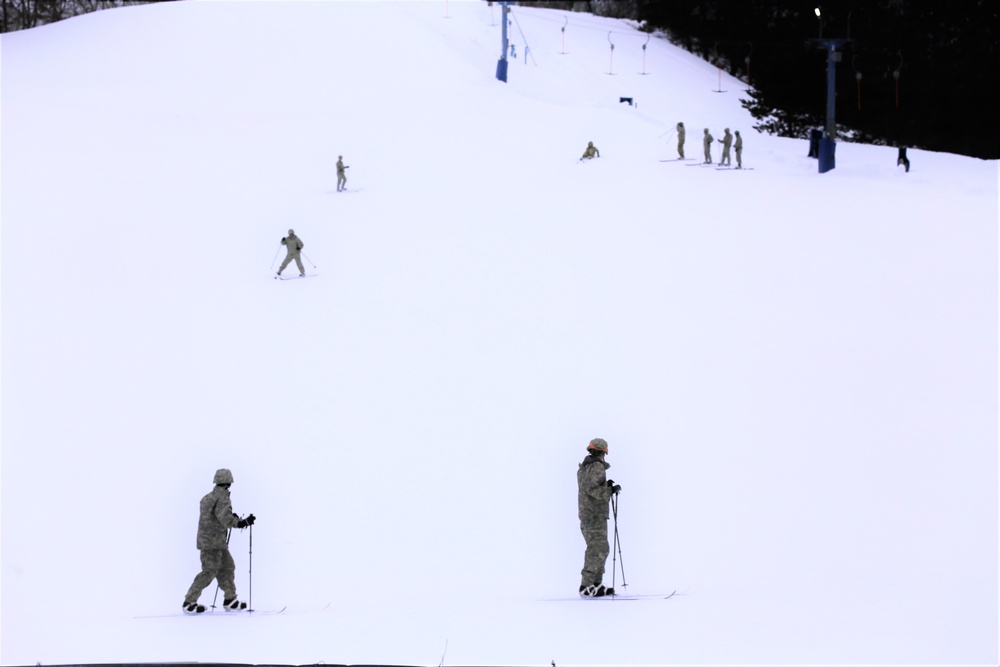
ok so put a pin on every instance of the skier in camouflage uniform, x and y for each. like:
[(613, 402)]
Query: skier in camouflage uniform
[(707, 141), (680, 141), (294, 245), (591, 151), (593, 496), (216, 518), (727, 142), (341, 174)]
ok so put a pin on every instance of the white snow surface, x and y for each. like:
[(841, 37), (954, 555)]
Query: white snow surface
[(796, 372)]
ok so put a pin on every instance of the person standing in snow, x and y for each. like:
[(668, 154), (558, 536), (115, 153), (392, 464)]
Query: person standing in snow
[(739, 150), (215, 519), (727, 143), (707, 141), (680, 141), (594, 493), (590, 152), (902, 159), (341, 175), (294, 245)]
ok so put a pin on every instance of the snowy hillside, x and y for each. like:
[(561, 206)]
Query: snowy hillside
[(796, 373)]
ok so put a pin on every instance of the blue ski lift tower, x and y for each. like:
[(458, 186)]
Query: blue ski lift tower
[(502, 63), (828, 144)]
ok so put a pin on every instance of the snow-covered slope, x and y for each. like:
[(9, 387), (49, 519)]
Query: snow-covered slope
[(796, 373)]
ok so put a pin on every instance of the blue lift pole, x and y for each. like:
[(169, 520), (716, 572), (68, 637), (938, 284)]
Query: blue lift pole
[(502, 63), (828, 144)]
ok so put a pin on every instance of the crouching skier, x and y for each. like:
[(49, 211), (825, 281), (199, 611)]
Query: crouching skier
[(594, 495), (215, 519)]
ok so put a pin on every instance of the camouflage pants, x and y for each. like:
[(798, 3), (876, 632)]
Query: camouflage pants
[(595, 533), (341, 182), (680, 149), (215, 564), (288, 260)]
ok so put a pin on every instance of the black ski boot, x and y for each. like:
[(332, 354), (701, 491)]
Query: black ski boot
[(234, 605)]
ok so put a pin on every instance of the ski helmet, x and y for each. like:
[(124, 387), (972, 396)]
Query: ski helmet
[(223, 476), (599, 445)]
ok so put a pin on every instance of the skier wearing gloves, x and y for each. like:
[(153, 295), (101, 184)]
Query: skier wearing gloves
[(707, 141), (593, 496), (216, 518), (294, 245), (591, 152)]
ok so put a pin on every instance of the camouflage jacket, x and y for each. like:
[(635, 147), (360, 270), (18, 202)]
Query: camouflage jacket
[(215, 519), (294, 244), (593, 491)]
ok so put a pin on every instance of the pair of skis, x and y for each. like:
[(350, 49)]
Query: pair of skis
[(241, 612), (308, 275), (624, 596), (718, 167)]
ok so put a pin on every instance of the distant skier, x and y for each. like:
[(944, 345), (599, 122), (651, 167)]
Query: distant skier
[(707, 141), (341, 175), (294, 245), (215, 519), (739, 150), (680, 140), (902, 159), (590, 152), (594, 493), (727, 143)]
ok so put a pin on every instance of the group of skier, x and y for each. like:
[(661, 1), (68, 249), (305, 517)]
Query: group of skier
[(216, 518), (293, 244), (728, 142)]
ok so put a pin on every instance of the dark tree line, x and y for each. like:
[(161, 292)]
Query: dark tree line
[(24, 14), (921, 73)]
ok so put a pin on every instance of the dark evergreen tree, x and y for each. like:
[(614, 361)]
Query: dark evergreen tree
[(928, 70)]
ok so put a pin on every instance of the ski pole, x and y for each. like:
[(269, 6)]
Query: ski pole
[(309, 260), (618, 543), (250, 600), (275, 256), (614, 546)]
